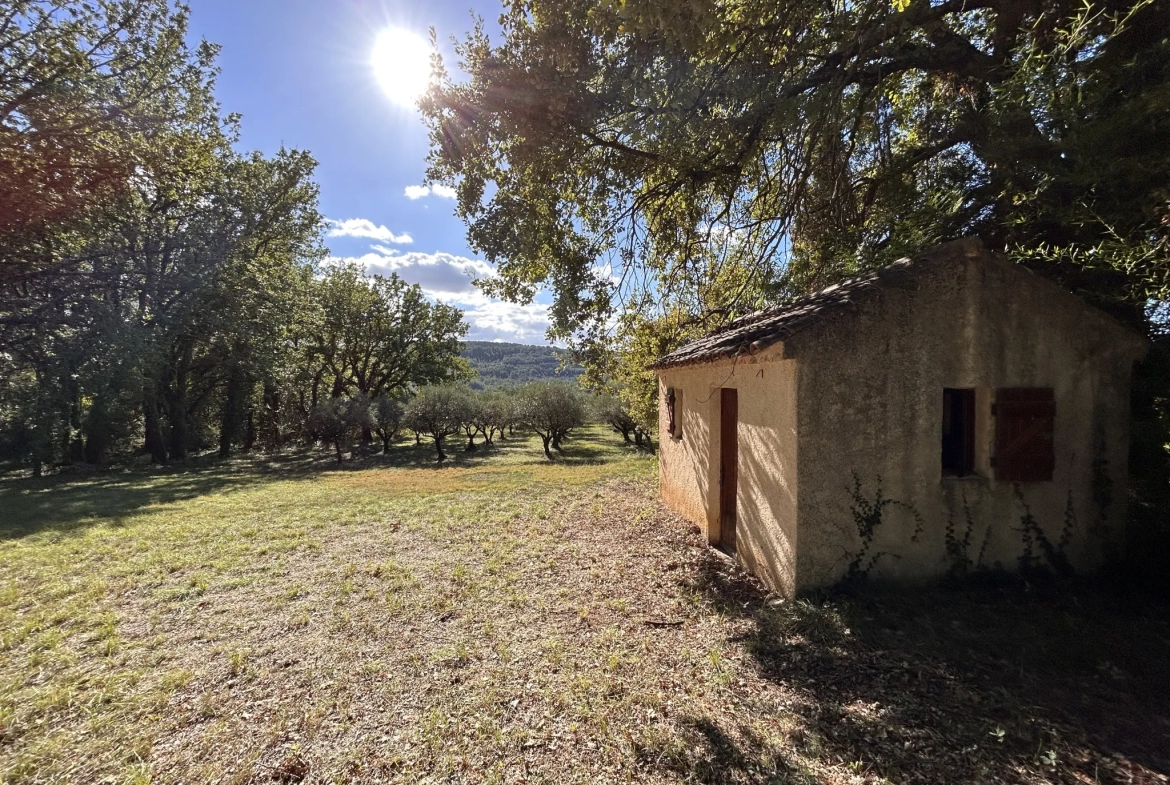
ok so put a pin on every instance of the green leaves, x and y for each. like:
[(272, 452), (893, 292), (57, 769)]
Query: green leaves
[(598, 145)]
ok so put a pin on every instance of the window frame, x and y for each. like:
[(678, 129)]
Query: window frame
[(964, 409), (672, 427)]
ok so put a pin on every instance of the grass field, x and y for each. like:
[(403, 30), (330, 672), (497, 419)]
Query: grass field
[(504, 619)]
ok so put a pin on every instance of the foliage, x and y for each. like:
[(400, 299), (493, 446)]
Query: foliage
[(83, 88), (438, 411), (159, 290), (1033, 537), (868, 517), (958, 549), (664, 167), (552, 409), (334, 420), (495, 412), (379, 334), (502, 365), (609, 409), (386, 414)]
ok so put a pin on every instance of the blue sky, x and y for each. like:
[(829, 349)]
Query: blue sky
[(299, 72)]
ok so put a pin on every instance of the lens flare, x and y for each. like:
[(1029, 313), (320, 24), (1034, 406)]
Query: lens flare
[(402, 64)]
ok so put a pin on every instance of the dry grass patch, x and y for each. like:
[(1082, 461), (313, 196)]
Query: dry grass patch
[(502, 621)]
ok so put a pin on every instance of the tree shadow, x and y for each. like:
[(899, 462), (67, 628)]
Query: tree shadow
[(1067, 684), (704, 752), (82, 497), (68, 502)]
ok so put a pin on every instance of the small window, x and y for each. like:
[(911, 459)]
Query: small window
[(1025, 422), (671, 421), (958, 433)]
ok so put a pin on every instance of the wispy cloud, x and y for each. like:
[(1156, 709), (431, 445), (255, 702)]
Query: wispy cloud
[(362, 227), (419, 191)]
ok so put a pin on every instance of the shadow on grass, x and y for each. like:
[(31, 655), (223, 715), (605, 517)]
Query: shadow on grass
[(990, 684), (72, 500)]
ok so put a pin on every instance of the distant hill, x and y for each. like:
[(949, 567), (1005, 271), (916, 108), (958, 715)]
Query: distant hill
[(511, 364)]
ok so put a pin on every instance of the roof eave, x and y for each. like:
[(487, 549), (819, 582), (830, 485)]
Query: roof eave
[(755, 348)]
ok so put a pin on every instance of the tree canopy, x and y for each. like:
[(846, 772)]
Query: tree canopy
[(160, 290), (683, 162)]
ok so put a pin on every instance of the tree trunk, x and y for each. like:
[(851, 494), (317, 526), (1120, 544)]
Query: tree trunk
[(439, 447), (471, 445), (367, 436), (155, 444), (546, 440), (96, 438), (229, 421), (75, 446), (386, 438), (250, 431), (271, 424), (180, 436), (337, 447)]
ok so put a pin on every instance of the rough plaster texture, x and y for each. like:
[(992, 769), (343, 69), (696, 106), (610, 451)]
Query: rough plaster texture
[(766, 492), (861, 395)]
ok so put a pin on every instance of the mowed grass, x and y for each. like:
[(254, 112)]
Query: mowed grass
[(507, 619)]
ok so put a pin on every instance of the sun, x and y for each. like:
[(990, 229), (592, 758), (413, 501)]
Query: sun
[(402, 64)]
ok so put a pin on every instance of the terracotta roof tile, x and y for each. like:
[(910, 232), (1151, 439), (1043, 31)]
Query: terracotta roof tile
[(757, 331)]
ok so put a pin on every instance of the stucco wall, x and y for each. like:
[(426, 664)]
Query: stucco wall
[(766, 494), (870, 403)]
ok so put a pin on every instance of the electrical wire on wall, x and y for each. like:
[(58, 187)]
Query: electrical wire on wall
[(716, 388)]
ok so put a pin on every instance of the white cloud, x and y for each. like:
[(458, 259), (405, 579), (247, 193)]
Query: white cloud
[(449, 279), (499, 321), (419, 191), (361, 227)]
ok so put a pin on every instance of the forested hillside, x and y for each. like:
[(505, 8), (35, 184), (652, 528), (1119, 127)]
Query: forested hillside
[(508, 364)]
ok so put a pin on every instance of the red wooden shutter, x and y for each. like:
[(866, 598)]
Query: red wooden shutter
[(1025, 420)]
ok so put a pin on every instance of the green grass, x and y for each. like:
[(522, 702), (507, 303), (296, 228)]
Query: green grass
[(507, 619)]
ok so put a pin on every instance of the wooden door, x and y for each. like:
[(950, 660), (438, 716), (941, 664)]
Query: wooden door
[(728, 467)]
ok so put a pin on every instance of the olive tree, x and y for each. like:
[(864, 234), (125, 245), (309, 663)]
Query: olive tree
[(334, 420), (438, 411), (386, 417), (553, 410), (609, 409), (471, 418)]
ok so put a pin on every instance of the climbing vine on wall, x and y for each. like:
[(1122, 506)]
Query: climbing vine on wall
[(958, 549), (868, 517), (1040, 558)]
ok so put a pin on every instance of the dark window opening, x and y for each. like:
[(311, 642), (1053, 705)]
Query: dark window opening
[(671, 422), (958, 433), (1025, 420)]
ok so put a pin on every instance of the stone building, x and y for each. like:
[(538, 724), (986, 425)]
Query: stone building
[(986, 405)]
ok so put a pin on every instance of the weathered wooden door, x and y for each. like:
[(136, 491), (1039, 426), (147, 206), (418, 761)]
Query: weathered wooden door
[(728, 467)]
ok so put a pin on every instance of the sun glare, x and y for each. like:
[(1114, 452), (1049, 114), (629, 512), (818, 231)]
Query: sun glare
[(402, 64)]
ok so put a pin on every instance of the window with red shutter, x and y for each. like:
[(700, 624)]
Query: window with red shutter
[(1025, 420)]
